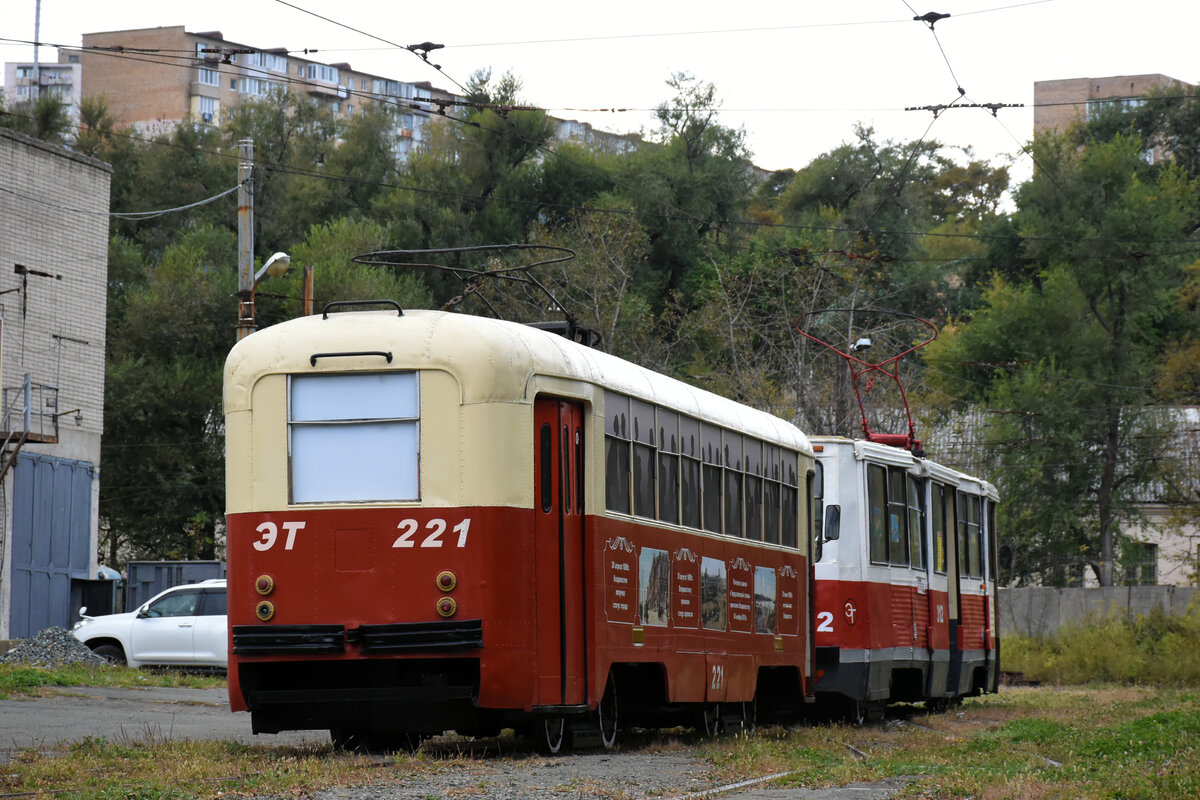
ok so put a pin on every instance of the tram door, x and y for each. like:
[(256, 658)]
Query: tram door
[(559, 553)]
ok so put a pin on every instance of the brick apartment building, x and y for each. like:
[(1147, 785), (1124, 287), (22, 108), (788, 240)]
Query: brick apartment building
[(154, 78), (53, 290), (1058, 104)]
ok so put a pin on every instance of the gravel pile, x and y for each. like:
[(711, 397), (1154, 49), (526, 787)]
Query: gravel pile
[(53, 647)]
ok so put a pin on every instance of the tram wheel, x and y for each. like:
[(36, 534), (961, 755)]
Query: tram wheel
[(608, 715), (708, 720), (551, 735)]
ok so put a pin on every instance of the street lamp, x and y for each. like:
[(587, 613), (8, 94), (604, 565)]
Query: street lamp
[(275, 266)]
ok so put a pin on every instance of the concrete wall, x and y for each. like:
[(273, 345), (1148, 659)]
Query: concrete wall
[(1040, 611)]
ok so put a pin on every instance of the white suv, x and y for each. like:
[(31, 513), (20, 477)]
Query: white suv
[(183, 626)]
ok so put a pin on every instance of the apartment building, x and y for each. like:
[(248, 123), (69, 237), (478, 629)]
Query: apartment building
[(154, 78), (27, 81), (1060, 103)]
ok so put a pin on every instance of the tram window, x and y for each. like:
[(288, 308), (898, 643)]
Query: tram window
[(991, 539), (969, 536), (787, 516), (643, 458), (916, 538), (733, 484), (354, 437), (876, 513), (789, 500), (975, 541), (565, 463), (938, 494), (668, 466), (616, 453), (689, 471), (771, 495), (771, 514), (711, 490), (547, 459), (752, 453), (897, 518)]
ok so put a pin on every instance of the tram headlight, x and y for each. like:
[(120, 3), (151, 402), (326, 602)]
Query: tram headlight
[(446, 580), (446, 607), (264, 584), (264, 610)]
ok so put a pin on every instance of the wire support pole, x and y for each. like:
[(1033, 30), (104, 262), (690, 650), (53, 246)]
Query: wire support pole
[(245, 293)]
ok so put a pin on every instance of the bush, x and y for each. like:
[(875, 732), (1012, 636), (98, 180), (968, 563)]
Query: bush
[(1156, 649)]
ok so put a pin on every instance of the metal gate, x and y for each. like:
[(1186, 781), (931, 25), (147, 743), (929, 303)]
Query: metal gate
[(51, 539)]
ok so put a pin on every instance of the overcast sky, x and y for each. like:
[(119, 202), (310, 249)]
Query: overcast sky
[(795, 75)]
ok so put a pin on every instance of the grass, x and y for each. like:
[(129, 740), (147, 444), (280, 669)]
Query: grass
[(17, 679), (1036, 743), (1101, 741), (1155, 649)]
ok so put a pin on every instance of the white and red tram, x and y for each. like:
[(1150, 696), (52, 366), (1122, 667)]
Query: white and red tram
[(905, 578), (438, 521)]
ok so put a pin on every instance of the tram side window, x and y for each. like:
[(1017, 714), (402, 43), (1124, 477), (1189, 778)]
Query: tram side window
[(939, 498), (877, 513), (354, 437), (789, 508), (754, 489), (616, 453), (668, 466), (916, 539), (969, 536), (733, 484), (991, 539), (689, 471), (711, 493), (897, 518), (643, 458), (771, 496)]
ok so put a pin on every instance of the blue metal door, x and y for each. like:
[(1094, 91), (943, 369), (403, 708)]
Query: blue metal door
[(51, 539)]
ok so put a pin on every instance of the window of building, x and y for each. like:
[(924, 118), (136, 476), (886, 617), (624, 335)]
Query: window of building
[(354, 438), (208, 109), (209, 77), (322, 73), (1140, 561)]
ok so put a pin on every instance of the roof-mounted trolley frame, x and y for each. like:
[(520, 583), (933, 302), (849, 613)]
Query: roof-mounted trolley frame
[(889, 367)]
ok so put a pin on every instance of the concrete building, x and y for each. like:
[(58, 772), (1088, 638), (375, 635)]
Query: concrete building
[(53, 289), (154, 78), (25, 81)]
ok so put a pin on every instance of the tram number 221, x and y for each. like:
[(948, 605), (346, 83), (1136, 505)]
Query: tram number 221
[(430, 537)]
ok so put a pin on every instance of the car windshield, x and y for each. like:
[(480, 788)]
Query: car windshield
[(179, 604)]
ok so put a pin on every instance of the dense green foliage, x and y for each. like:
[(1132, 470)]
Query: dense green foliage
[(1068, 306), (1157, 650)]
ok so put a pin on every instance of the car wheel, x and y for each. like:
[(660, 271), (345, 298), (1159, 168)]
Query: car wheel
[(112, 653)]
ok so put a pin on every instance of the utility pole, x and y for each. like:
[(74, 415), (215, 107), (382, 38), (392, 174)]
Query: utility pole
[(245, 292)]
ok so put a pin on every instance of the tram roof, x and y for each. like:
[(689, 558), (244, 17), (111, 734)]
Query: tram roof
[(861, 448), (491, 359)]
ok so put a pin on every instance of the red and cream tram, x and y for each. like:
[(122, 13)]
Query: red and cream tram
[(904, 576), (443, 522)]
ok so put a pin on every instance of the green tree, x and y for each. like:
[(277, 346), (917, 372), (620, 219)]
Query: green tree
[(1065, 364), (44, 118), (163, 489)]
